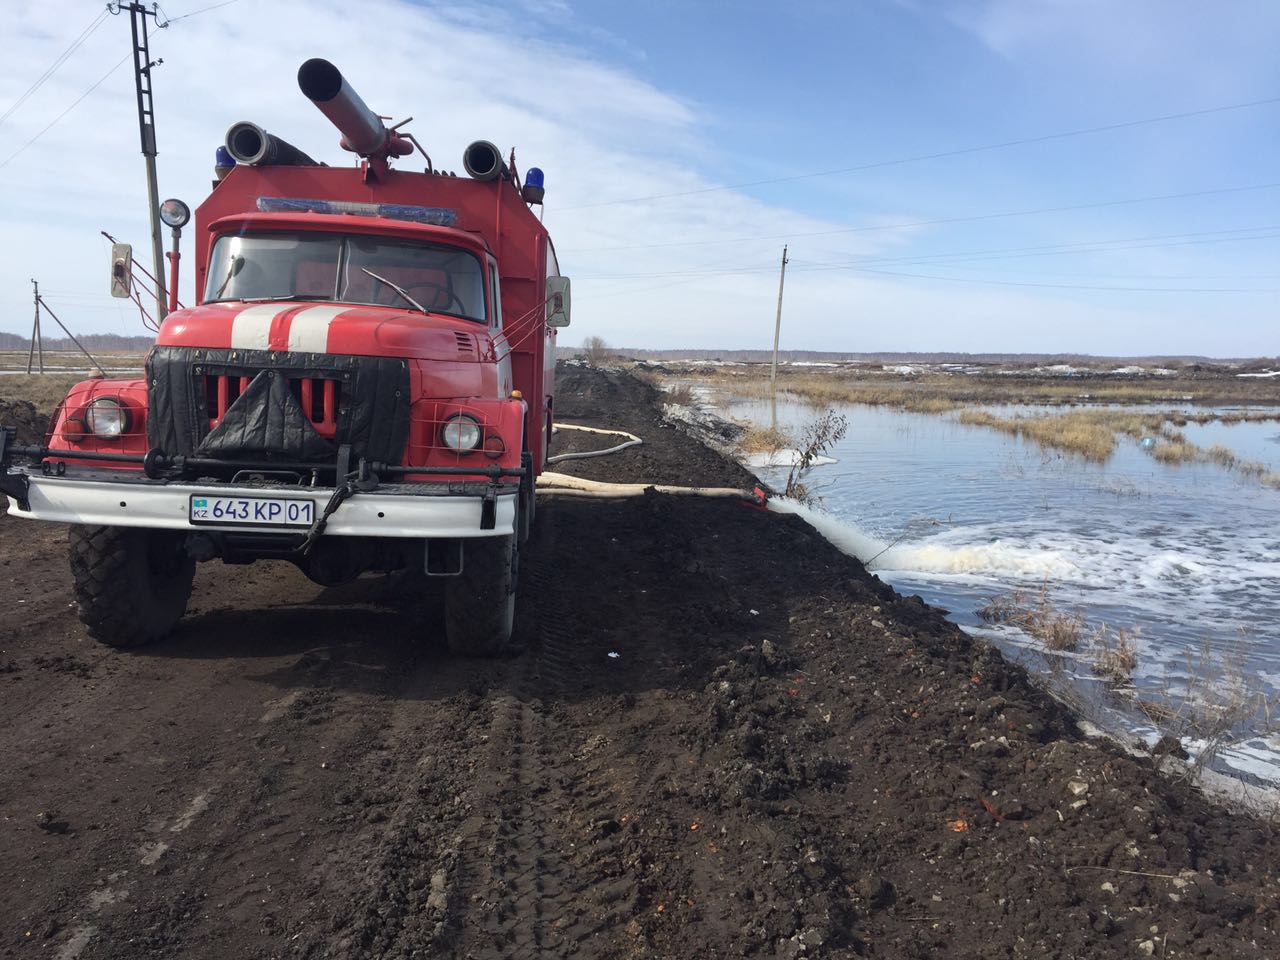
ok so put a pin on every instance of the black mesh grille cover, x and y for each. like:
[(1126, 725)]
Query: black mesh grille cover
[(266, 422)]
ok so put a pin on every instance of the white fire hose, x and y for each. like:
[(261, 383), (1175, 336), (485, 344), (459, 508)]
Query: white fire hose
[(631, 441), (564, 485)]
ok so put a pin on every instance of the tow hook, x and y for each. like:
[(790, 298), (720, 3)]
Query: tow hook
[(489, 508), (351, 482), (15, 485)]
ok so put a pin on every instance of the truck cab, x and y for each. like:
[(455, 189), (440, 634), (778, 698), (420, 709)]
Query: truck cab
[(366, 382)]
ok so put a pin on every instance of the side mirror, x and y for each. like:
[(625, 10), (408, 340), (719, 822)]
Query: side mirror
[(557, 301), (121, 271)]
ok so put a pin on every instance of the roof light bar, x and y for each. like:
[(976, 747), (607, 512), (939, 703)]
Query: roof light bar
[(436, 216)]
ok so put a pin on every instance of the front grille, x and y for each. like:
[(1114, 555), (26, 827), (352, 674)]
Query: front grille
[(253, 401), (319, 398)]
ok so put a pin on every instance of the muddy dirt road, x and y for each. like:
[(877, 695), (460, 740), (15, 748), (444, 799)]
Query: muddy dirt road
[(724, 740)]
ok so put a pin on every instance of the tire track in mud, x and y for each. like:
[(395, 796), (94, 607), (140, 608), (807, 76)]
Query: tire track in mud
[(522, 857)]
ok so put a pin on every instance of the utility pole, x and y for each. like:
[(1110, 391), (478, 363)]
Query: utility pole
[(142, 64), (777, 325), (36, 342), (40, 303)]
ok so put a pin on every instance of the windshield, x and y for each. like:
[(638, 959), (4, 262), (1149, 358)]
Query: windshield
[(346, 269)]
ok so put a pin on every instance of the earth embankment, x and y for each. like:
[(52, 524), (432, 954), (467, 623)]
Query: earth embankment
[(725, 739)]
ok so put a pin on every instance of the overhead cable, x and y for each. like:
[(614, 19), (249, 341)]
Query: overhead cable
[(1022, 141), (50, 125), (1066, 286), (959, 259), (872, 228), (53, 68)]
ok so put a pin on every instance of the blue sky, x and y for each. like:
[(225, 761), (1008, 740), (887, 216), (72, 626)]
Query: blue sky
[(625, 101)]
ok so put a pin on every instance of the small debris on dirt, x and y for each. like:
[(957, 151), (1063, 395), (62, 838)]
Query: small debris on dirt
[(51, 823), (63, 663)]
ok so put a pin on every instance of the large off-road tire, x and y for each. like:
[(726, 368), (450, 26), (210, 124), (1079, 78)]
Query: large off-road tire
[(480, 602), (132, 585)]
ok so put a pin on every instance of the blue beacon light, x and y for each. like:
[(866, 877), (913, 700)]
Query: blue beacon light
[(533, 185), (223, 162)]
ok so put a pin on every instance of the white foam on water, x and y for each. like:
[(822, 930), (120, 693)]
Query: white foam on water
[(785, 458), (1256, 756), (986, 559)]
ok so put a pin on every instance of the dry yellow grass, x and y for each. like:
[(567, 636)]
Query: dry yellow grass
[(1092, 434), (1212, 699), (937, 392), (756, 439), (1076, 433), (44, 390), (1117, 656), (1036, 617)]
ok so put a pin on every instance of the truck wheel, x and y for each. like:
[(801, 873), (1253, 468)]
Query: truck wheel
[(132, 585), (480, 602), (528, 499)]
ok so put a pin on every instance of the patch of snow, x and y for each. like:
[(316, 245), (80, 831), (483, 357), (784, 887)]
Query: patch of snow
[(784, 458), (1267, 375), (1058, 370), (905, 368)]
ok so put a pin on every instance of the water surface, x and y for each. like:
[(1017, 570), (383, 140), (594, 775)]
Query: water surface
[(1186, 558)]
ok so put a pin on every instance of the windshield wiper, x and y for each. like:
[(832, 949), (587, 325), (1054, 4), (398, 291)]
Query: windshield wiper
[(281, 297), (236, 265), (398, 289)]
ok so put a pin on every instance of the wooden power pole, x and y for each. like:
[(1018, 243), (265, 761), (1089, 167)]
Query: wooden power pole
[(37, 344), (142, 65), (777, 324)]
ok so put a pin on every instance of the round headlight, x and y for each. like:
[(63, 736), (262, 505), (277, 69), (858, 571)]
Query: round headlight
[(461, 433), (175, 213), (106, 417)]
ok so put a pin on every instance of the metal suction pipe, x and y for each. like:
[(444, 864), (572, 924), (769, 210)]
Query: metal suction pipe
[(362, 130), (249, 143)]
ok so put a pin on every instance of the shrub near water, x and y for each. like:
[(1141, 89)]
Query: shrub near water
[(1037, 618), (1117, 656)]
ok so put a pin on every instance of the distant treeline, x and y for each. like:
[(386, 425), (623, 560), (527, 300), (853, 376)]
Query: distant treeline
[(825, 356), (106, 342)]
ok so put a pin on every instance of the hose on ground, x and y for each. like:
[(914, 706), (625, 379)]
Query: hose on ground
[(564, 485), (631, 441), (561, 484)]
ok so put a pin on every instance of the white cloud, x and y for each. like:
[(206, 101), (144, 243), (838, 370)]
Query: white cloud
[(464, 72)]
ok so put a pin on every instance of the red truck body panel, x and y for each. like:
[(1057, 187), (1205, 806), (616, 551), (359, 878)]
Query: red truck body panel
[(491, 218)]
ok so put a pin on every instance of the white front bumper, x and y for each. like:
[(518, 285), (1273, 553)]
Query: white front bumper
[(166, 506)]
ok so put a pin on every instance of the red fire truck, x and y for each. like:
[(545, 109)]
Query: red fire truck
[(364, 383)]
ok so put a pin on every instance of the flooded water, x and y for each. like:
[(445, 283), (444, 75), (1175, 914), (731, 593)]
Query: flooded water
[(1186, 559)]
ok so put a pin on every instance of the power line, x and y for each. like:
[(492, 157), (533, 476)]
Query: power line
[(956, 259), (53, 68), (52, 123), (195, 13), (1182, 115), (1055, 249), (949, 220), (74, 104), (1067, 286)]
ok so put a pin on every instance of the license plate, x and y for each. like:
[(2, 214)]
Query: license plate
[(253, 511)]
